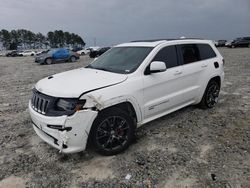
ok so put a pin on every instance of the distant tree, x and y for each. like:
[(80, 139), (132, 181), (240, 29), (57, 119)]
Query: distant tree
[(5, 38), (23, 38), (51, 40), (15, 39), (59, 37), (40, 40), (67, 38)]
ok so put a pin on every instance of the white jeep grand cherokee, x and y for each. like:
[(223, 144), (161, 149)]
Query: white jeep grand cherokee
[(126, 87)]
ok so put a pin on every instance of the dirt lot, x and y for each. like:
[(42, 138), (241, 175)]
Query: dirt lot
[(188, 148)]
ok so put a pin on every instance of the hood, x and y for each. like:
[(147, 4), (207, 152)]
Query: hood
[(72, 84), (43, 55)]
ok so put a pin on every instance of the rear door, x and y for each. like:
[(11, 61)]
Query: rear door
[(195, 66)]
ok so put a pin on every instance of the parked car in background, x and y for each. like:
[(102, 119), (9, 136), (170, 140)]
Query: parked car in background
[(128, 86), (13, 53), (57, 55), (27, 53), (84, 51), (228, 43), (239, 42), (75, 49), (2, 53), (41, 52), (98, 52), (220, 43)]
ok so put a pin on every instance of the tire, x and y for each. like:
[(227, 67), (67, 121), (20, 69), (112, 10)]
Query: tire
[(112, 131), (83, 53), (32, 55), (72, 59), (248, 45), (210, 97), (48, 61)]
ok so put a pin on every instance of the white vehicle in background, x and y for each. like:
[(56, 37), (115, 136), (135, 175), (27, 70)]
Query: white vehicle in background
[(84, 51), (27, 53), (2, 53), (94, 48), (126, 87), (88, 50)]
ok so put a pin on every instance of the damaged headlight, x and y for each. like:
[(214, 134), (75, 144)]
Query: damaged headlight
[(70, 104)]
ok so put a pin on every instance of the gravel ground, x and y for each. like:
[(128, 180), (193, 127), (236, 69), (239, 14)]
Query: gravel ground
[(188, 148)]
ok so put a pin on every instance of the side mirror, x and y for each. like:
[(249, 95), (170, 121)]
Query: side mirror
[(157, 66), (96, 58)]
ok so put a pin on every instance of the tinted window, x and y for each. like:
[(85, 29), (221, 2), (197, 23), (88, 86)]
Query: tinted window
[(168, 56), (206, 52), (190, 53)]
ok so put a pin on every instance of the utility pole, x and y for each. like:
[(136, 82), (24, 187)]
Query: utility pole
[(94, 41)]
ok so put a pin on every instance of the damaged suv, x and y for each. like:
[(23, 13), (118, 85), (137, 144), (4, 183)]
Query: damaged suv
[(126, 87)]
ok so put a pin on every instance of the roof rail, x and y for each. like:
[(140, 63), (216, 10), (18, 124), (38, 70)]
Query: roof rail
[(155, 40)]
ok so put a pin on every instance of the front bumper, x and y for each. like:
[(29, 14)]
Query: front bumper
[(69, 134), (38, 60)]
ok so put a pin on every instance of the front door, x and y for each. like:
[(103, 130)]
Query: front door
[(162, 91)]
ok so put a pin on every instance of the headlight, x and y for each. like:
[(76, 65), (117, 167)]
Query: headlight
[(70, 104)]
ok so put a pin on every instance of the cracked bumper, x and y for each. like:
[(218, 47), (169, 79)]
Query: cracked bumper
[(69, 134)]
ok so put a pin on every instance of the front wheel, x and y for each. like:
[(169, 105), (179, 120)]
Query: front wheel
[(211, 95), (48, 61), (112, 131)]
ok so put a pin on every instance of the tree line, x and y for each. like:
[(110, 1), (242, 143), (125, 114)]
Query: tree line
[(25, 39)]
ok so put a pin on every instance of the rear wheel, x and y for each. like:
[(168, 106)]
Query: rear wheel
[(48, 61), (211, 95), (72, 59), (112, 131)]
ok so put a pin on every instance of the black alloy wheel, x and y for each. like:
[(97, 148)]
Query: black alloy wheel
[(112, 131), (211, 95)]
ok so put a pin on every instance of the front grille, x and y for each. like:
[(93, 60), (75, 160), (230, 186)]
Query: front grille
[(40, 102)]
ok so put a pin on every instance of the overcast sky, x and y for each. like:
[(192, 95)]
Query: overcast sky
[(117, 21)]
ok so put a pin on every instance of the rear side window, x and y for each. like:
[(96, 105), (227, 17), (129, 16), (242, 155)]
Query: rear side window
[(190, 53), (168, 55), (206, 52)]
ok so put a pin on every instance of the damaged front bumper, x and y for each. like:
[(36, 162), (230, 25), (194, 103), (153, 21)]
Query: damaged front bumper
[(69, 134)]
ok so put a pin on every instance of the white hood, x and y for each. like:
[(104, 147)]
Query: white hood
[(72, 84)]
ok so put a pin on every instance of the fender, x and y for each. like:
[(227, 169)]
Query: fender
[(205, 85), (98, 103)]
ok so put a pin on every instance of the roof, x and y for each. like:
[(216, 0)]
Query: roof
[(142, 43), (155, 42)]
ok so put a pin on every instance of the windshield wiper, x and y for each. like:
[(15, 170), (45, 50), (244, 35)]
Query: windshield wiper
[(89, 66), (101, 68)]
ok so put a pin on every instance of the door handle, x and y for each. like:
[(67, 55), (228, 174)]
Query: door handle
[(177, 72), (204, 65)]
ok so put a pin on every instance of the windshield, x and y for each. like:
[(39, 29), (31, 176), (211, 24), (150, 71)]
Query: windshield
[(123, 60)]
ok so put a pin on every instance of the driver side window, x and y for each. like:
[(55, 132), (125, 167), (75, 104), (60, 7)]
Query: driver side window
[(167, 55)]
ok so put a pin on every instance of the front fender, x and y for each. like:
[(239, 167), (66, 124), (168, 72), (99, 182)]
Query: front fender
[(100, 103)]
